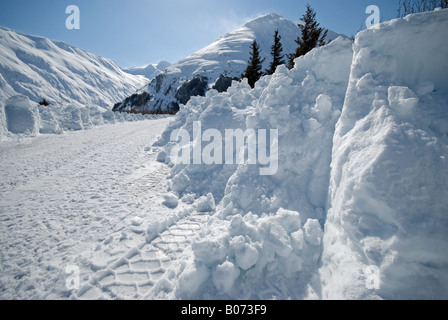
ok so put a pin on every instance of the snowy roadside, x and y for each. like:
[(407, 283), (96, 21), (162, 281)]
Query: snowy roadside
[(83, 202)]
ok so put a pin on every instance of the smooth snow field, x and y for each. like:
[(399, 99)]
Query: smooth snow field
[(85, 202)]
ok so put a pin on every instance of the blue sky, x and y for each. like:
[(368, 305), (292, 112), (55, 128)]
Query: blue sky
[(139, 32)]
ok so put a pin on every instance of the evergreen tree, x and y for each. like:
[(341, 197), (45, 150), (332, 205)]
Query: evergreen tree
[(253, 71), (312, 35), (276, 52)]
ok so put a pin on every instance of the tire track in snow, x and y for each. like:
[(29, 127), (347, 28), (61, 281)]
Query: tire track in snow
[(154, 246), (82, 199), (136, 272)]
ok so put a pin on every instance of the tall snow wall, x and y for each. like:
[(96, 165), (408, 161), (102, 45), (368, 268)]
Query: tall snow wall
[(386, 229), (358, 206)]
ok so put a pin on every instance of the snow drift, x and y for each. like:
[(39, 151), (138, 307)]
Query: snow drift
[(361, 183), (20, 117)]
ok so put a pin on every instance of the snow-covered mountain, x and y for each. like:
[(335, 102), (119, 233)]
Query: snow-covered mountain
[(215, 65), (355, 206), (149, 71), (39, 68)]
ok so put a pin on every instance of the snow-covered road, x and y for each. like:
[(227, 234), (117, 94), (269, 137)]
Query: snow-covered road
[(83, 202)]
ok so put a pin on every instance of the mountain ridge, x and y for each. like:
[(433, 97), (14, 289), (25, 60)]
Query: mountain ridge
[(224, 60), (150, 71), (40, 68)]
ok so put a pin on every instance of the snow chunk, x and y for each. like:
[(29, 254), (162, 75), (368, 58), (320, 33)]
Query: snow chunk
[(193, 277), (161, 157), (210, 251), (224, 276), (403, 100), (205, 203), (246, 255), (170, 200), (313, 232)]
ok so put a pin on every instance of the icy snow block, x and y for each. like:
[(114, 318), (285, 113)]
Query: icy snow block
[(193, 277), (276, 238), (313, 232), (403, 100), (72, 120), (205, 203), (246, 255), (21, 115), (224, 276), (210, 251), (170, 201), (161, 157)]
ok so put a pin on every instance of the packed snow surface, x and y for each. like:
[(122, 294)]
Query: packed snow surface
[(356, 207)]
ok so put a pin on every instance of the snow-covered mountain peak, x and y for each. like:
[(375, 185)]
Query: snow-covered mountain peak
[(263, 21), (149, 71), (215, 65)]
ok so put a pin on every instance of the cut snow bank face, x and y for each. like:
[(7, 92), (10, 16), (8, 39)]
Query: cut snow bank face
[(264, 230), (388, 194), (367, 160), (22, 117)]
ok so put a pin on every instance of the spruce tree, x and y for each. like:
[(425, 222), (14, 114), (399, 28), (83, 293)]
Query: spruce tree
[(276, 52), (253, 71), (312, 35)]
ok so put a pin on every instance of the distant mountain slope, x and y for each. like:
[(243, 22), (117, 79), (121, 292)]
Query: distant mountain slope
[(150, 71), (222, 60), (39, 68)]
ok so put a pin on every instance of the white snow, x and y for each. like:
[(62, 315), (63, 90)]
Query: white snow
[(226, 56), (170, 200), (22, 118), (361, 187), (361, 183), (205, 203), (65, 201), (63, 74), (150, 71), (389, 178)]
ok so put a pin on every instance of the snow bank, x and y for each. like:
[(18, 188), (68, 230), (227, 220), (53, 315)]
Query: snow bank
[(3, 125), (22, 118), (388, 194), (357, 207), (266, 230)]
